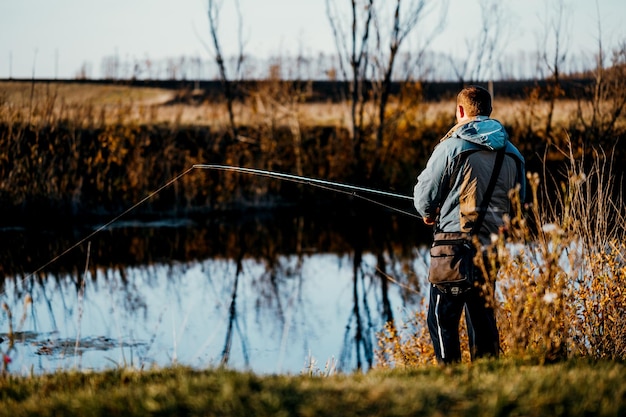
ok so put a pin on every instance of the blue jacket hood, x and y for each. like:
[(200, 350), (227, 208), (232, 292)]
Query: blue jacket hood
[(483, 131)]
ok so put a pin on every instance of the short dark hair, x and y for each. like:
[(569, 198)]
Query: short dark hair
[(475, 100)]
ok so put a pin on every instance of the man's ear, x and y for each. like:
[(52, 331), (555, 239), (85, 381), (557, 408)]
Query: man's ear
[(461, 111)]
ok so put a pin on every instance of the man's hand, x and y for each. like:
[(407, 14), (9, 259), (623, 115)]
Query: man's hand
[(428, 221)]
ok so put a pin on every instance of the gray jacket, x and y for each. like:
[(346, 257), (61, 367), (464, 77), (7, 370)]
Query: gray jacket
[(458, 172)]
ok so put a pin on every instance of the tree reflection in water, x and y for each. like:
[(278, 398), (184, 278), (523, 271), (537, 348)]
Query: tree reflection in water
[(276, 288), (232, 320)]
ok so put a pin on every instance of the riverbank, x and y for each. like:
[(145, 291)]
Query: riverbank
[(90, 150), (486, 388)]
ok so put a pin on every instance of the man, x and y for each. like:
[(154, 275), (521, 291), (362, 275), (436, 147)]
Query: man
[(448, 195)]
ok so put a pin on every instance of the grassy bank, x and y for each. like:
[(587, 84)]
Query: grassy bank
[(574, 388)]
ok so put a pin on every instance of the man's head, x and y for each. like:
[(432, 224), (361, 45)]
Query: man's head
[(472, 101)]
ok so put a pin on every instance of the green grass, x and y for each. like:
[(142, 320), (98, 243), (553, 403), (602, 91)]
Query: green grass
[(486, 388)]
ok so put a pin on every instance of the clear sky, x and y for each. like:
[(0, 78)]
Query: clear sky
[(54, 38)]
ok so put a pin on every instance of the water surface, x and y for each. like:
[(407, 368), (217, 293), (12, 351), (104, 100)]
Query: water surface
[(268, 292)]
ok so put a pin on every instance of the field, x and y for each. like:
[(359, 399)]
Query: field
[(171, 106)]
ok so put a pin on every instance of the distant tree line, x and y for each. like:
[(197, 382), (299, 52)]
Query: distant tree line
[(441, 67), (335, 91)]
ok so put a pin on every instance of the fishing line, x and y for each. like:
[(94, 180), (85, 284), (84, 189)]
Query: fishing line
[(354, 194), (104, 226), (394, 281), (324, 184)]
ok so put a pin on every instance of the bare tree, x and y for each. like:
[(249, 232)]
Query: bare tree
[(215, 7), (608, 92), (553, 58), (483, 47), (368, 46), (403, 22), (356, 54)]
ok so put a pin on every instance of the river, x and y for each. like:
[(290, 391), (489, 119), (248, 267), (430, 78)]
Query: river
[(273, 292)]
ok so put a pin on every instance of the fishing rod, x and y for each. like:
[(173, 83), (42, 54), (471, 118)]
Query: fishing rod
[(329, 185), (300, 179)]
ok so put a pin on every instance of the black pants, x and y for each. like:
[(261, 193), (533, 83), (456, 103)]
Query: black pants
[(444, 315)]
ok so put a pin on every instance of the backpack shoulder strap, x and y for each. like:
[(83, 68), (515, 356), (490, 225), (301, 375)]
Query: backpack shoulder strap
[(489, 191)]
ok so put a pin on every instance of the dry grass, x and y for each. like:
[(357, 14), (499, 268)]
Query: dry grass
[(143, 105), (121, 128), (562, 282)]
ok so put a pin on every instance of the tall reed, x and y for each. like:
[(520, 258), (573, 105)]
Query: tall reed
[(561, 285)]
